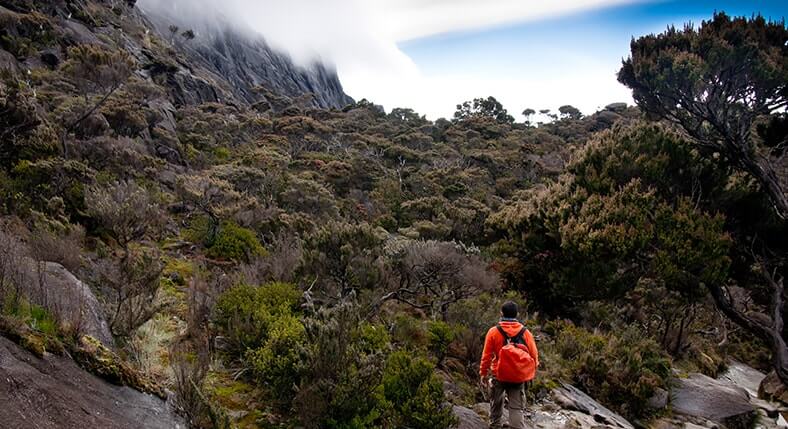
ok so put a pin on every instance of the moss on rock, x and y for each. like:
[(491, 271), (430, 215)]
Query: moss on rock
[(35, 342), (97, 359)]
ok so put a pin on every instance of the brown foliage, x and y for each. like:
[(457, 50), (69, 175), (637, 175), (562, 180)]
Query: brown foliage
[(130, 286)]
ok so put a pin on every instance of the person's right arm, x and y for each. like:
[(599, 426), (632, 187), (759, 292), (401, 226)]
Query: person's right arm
[(487, 355)]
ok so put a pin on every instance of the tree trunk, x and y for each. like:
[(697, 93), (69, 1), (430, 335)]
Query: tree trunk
[(772, 335), (779, 348), (770, 183)]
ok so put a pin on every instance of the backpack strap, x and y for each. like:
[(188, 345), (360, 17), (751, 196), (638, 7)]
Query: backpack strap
[(519, 338), (506, 338)]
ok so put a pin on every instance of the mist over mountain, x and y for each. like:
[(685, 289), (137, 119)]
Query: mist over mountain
[(243, 58), (224, 46)]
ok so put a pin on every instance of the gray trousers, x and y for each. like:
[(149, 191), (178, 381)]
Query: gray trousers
[(516, 404)]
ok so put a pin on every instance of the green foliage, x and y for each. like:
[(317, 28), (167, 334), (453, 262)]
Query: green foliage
[(625, 216), (342, 257), (24, 34), (34, 316), (659, 159), (94, 357), (277, 363), (409, 333), (25, 136), (483, 108), (734, 66), (441, 335), (97, 69), (37, 185), (644, 220), (570, 112), (621, 371), (413, 394), (343, 368), (245, 314), (235, 243)]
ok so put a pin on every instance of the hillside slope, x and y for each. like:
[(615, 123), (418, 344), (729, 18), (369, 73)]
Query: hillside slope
[(276, 258)]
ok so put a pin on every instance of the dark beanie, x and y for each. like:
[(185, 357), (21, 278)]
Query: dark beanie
[(509, 310)]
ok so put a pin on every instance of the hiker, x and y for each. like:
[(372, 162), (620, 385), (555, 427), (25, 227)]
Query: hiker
[(510, 350)]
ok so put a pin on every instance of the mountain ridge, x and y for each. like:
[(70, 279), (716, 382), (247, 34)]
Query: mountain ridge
[(248, 63)]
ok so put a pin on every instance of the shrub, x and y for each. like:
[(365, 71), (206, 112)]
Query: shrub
[(343, 258), (130, 287), (413, 395), (621, 371), (408, 332), (235, 243), (37, 318), (277, 363), (441, 336), (343, 368), (245, 314), (190, 369), (125, 209), (434, 275), (62, 245)]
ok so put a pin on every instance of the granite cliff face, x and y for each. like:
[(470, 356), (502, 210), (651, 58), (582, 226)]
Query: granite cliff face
[(250, 68), (219, 63)]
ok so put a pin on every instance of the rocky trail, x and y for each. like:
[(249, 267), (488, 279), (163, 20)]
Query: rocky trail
[(696, 401)]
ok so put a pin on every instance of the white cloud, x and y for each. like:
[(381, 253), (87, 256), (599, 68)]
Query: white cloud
[(411, 19), (360, 38)]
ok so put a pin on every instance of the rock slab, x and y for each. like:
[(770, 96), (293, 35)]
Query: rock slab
[(54, 393), (468, 419), (74, 298), (715, 400), (572, 398)]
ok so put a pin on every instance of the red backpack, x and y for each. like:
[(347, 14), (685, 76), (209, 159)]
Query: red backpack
[(515, 364)]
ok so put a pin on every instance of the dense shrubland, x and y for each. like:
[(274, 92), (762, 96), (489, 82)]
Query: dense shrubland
[(339, 268)]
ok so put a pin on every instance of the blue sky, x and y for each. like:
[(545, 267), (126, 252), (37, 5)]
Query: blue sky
[(430, 55), (568, 59)]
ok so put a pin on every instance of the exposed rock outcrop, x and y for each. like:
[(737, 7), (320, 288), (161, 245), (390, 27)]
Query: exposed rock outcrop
[(468, 419), (568, 408), (572, 398), (74, 298), (220, 63), (715, 400), (746, 377), (241, 59), (53, 392), (772, 389)]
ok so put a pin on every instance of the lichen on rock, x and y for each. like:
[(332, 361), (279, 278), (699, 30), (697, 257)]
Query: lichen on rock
[(97, 359)]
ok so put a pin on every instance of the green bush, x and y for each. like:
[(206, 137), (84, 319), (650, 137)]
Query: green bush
[(235, 243), (245, 314), (343, 368), (621, 371), (35, 317), (408, 332), (413, 395), (441, 335), (277, 363)]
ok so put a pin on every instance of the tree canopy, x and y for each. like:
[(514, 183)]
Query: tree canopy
[(483, 108), (718, 82)]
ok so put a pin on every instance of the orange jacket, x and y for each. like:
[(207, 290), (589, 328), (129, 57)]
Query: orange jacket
[(494, 342)]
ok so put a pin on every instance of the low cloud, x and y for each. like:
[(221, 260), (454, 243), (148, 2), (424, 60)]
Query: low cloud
[(360, 38)]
